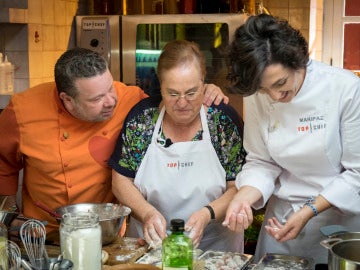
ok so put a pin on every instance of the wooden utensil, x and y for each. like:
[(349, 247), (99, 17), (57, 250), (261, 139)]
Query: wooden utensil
[(47, 209)]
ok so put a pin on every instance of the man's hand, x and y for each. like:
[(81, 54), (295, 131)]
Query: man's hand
[(213, 94)]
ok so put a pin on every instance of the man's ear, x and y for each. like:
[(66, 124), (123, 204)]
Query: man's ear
[(67, 100), (65, 97)]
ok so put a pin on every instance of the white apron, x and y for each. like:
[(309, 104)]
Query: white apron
[(181, 179)]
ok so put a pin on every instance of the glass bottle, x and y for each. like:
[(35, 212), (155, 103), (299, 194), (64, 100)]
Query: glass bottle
[(80, 240), (9, 76), (3, 84), (187, 6), (177, 248)]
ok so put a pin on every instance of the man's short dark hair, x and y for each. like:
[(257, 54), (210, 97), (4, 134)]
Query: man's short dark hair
[(75, 64)]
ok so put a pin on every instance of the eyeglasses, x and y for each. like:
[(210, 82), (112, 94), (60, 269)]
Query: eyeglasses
[(189, 96)]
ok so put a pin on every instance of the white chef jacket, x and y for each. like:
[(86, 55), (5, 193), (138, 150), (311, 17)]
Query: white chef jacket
[(308, 146)]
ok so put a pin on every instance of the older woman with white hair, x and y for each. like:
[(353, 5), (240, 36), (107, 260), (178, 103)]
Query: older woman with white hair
[(178, 158)]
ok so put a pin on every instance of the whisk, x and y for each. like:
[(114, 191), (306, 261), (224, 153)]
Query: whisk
[(11, 256), (3, 255), (33, 235)]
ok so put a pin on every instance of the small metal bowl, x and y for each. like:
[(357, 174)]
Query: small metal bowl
[(6, 217), (111, 217)]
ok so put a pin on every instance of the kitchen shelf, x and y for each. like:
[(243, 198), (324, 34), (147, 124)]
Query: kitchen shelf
[(7, 93), (13, 15)]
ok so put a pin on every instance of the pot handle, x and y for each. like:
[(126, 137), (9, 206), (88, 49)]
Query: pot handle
[(332, 229), (328, 243)]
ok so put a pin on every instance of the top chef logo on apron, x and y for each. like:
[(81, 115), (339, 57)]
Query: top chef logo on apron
[(179, 164), (311, 124)]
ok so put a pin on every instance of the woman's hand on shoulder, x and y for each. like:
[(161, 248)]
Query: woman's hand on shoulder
[(214, 95)]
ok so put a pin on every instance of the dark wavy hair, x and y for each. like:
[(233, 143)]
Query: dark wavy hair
[(263, 40), (75, 64)]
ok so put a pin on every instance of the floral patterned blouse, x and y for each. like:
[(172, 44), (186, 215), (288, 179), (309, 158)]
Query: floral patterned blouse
[(225, 127)]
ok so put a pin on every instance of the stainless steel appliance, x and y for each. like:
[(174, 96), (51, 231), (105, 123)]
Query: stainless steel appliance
[(101, 34), (132, 43)]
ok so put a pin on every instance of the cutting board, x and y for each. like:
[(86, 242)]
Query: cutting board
[(130, 267), (122, 250)]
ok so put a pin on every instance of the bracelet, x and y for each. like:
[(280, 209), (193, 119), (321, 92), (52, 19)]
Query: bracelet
[(309, 203), (211, 210), (313, 208)]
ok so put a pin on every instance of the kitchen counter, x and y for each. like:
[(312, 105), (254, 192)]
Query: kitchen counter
[(123, 250)]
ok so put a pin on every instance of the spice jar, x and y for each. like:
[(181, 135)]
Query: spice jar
[(80, 240)]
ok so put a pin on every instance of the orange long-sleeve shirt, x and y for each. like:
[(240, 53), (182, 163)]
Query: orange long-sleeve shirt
[(64, 158)]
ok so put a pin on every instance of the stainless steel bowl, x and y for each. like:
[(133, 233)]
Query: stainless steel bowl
[(6, 217), (111, 217), (284, 261)]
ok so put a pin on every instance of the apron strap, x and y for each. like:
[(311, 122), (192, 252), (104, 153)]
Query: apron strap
[(158, 125)]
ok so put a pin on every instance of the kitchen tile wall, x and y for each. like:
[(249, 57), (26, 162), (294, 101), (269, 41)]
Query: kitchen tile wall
[(305, 15), (50, 27), (52, 19), (35, 47), (14, 45), (295, 11)]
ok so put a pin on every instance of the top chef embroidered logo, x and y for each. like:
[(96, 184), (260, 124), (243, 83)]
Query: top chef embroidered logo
[(311, 124), (179, 164)]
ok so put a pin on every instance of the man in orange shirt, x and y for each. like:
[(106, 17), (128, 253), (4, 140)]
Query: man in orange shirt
[(62, 133)]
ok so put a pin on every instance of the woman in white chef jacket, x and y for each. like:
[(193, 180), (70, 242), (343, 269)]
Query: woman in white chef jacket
[(301, 133), (179, 159)]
